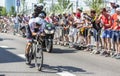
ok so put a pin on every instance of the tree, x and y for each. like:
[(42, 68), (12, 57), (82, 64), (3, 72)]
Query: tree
[(0, 9), (12, 11), (4, 11), (95, 4), (41, 1), (64, 3), (61, 6)]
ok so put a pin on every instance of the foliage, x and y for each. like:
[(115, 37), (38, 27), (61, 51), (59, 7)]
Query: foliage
[(61, 6), (12, 11), (57, 8), (41, 1), (95, 4), (0, 9), (64, 3), (4, 11)]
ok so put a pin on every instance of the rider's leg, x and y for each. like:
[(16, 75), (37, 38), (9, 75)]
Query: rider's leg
[(27, 49)]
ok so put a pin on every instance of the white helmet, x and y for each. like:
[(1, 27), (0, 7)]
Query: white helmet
[(40, 4), (41, 15)]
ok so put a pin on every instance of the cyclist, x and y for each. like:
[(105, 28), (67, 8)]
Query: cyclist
[(35, 27)]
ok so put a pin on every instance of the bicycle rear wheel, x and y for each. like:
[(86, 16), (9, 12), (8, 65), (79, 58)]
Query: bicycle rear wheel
[(38, 57)]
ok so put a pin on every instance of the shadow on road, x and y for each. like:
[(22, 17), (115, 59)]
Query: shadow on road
[(59, 68), (63, 68), (1, 39), (2, 75), (8, 57), (56, 69), (60, 51)]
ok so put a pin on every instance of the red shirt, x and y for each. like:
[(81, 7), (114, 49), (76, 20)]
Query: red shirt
[(114, 19), (78, 15), (106, 20), (118, 28)]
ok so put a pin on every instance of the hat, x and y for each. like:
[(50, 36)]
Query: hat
[(118, 9)]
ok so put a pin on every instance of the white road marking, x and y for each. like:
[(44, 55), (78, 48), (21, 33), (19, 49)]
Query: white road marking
[(21, 55), (4, 46), (65, 73)]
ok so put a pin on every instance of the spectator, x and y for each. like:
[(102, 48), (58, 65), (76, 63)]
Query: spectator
[(106, 22), (116, 32), (113, 7), (96, 31)]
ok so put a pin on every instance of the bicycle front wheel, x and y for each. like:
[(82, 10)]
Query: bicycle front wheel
[(38, 57)]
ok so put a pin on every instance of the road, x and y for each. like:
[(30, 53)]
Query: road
[(63, 61)]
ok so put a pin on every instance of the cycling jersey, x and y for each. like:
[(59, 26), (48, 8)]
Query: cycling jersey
[(32, 27)]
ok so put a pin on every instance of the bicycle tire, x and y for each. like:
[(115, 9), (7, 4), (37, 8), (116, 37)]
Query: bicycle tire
[(30, 55), (38, 57)]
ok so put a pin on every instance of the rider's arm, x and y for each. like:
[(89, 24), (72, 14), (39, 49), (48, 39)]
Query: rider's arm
[(31, 25)]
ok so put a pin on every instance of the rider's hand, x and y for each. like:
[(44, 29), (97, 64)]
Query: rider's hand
[(42, 34)]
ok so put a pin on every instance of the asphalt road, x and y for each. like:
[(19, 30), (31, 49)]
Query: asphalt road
[(63, 61)]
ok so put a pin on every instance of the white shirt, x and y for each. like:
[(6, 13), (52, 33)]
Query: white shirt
[(15, 20)]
